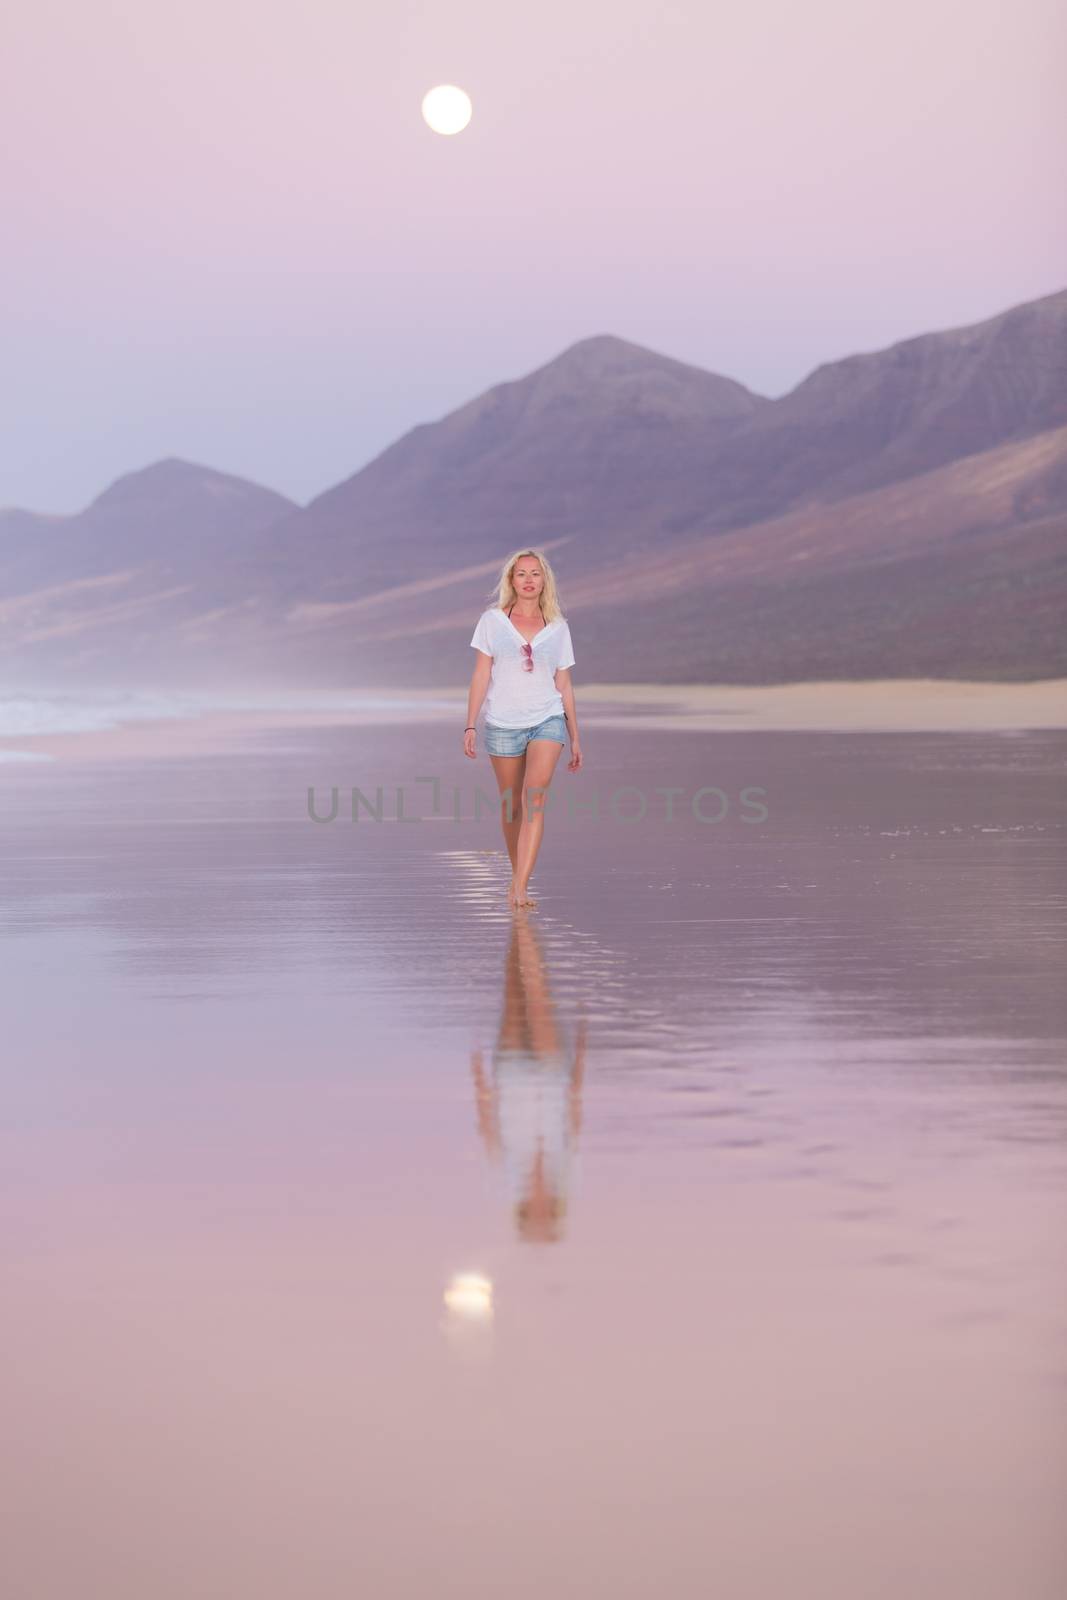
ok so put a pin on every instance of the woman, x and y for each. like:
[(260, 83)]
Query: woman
[(523, 675)]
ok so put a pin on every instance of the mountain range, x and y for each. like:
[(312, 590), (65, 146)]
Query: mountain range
[(900, 513)]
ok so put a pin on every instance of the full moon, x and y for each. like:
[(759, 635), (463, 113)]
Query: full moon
[(447, 109)]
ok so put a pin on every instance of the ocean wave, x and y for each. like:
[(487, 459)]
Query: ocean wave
[(69, 713), (93, 712)]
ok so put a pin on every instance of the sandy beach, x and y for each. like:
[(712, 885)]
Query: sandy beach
[(913, 705), (220, 723)]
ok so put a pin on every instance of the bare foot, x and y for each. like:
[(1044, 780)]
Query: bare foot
[(519, 896)]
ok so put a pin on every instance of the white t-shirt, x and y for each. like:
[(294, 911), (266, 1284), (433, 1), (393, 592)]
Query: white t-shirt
[(518, 698), (533, 1115)]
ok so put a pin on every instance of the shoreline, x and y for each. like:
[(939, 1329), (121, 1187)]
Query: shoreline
[(236, 721), (879, 705)]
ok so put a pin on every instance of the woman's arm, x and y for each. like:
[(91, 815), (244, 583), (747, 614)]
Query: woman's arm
[(486, 1104), (483, 668), (563, 684)]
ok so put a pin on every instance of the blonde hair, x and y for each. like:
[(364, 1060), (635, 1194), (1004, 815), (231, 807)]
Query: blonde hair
[(505, 593)]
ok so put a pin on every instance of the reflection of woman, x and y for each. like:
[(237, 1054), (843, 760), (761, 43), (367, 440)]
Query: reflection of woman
[(523, 674), (530, 1113)]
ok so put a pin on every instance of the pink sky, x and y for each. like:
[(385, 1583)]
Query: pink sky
[(229, 236)]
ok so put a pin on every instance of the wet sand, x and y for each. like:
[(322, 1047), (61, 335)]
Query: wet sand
[(749, 1141)]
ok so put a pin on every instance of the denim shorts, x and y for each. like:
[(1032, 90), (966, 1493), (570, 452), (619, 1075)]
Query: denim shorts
[(513, 741)]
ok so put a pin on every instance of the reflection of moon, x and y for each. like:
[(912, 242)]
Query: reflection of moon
[(468, 1320), (447, 109), (470, 1296)]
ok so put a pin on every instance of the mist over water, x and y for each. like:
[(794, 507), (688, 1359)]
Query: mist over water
[(701, 1229)]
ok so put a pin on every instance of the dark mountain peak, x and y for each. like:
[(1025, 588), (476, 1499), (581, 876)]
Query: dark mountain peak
[(1049, 311), (577, 419), (885, 415), (605, 353), (172, 480), (608, 343), (1021, 331), (627, 373), (600, 383)]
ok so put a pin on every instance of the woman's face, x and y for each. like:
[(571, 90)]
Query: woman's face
[(527, 578)]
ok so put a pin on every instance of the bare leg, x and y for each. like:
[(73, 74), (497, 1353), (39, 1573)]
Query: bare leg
[(541, 758), (510, 771)]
